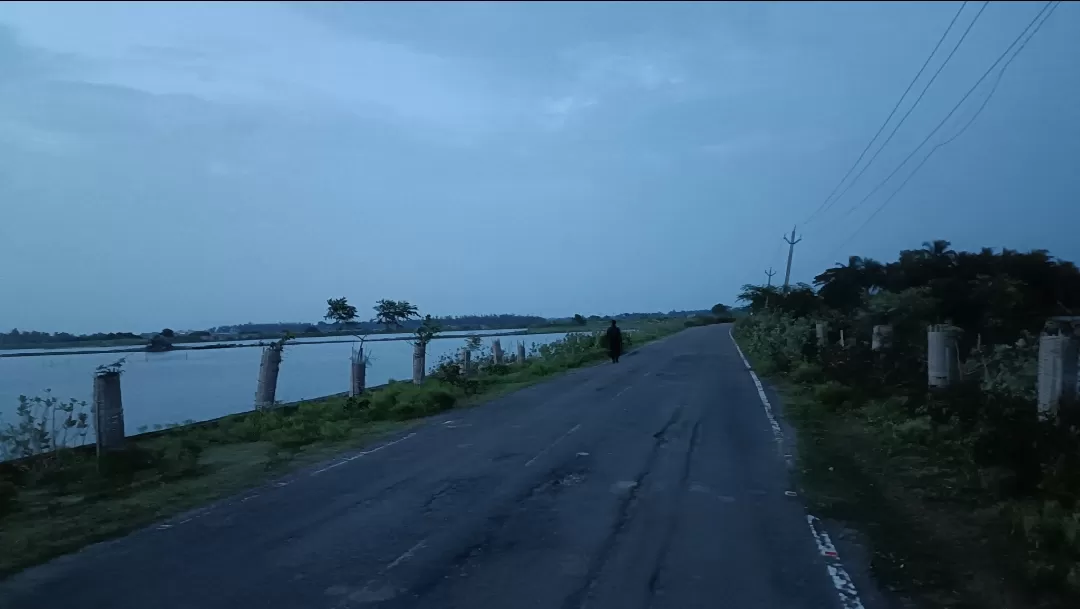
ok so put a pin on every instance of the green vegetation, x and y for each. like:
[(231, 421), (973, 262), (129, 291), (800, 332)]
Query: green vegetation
[(969, 498), (392, 314), (55, 500)]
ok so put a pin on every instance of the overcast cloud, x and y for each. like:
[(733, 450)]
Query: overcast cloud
[(197, 164)]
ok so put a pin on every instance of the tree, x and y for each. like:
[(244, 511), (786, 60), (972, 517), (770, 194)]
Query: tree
[(159, 343), (168, 333), (392, 313), (427, 330), (472, 343), (579, 320), (720, 310), (799, 300), (339, 311)]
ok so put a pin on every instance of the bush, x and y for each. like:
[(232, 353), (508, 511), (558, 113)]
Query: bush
[(807, 374), (423, 400), (297, 435), (119, 467), (9, 497), (178, 459), (776, 342), (832, 394)]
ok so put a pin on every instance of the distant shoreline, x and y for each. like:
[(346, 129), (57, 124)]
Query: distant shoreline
[(264, 342)]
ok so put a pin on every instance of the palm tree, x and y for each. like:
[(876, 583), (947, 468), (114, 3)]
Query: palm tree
[(939, 250)]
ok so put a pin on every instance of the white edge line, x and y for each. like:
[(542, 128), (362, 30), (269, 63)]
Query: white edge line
[(406, 556), (845, 587), (549, 446), (361, 454)]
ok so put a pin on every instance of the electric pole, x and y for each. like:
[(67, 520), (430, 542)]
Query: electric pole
[(770, 273), (791, 250)]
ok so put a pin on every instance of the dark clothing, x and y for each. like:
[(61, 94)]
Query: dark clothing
[(614, 343)]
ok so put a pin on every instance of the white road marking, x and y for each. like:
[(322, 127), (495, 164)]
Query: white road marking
[(329, 467), (845, 587), (849, 596), (361, 454), (552, 445), (778, 433), (624, 390), (406, 556)]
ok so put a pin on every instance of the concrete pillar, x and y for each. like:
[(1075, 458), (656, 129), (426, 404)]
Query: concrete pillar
[(418, 357), (357, 373), (266, 391), (942, 357), (466, 362), (1057, 371), (842, 343), (822, 333), (108, 412), (521, 352), (496, 351), (881, 338)]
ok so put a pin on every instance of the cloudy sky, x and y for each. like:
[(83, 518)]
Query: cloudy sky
[(193, 164)]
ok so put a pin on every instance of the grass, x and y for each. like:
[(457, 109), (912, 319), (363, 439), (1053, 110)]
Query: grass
[(940, 533), (56, 503)]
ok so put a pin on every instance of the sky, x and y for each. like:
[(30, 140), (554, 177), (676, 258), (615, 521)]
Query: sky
[(197, 164)]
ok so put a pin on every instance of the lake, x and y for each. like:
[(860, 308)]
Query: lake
[(176, 386), (306, 339)]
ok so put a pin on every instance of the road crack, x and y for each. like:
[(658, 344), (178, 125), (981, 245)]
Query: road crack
[(578, 599)]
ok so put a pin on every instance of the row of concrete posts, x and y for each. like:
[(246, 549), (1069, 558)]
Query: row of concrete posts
[(497, 355), (1058, 363), (108, 402)]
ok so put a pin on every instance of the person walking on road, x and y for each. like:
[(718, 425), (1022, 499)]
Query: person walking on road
[(614, 342)]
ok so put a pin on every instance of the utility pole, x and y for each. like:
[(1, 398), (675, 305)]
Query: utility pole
[(791, 250), (770, 273)]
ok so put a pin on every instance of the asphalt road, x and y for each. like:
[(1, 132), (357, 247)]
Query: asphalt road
[(655, 482)]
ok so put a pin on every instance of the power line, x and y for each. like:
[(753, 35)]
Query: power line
[(908, 113), (891, 113), (949, 115), (974, 116)]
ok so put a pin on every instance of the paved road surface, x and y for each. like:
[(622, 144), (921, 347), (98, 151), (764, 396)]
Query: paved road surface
[(652, 483)]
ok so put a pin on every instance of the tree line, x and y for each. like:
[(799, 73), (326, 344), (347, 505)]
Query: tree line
[(993, 296)]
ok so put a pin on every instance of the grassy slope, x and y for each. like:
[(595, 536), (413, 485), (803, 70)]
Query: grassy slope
[(52, 520), (937, 540)]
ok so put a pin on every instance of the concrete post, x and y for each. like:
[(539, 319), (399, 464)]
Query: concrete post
[(822, 333), (466, 362), (266, 390), (881, 339), (357, 373), (108, 412), (942, 363), (496, 351), (521, 352), (1057, 371), (418, 357), (842, 343)]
